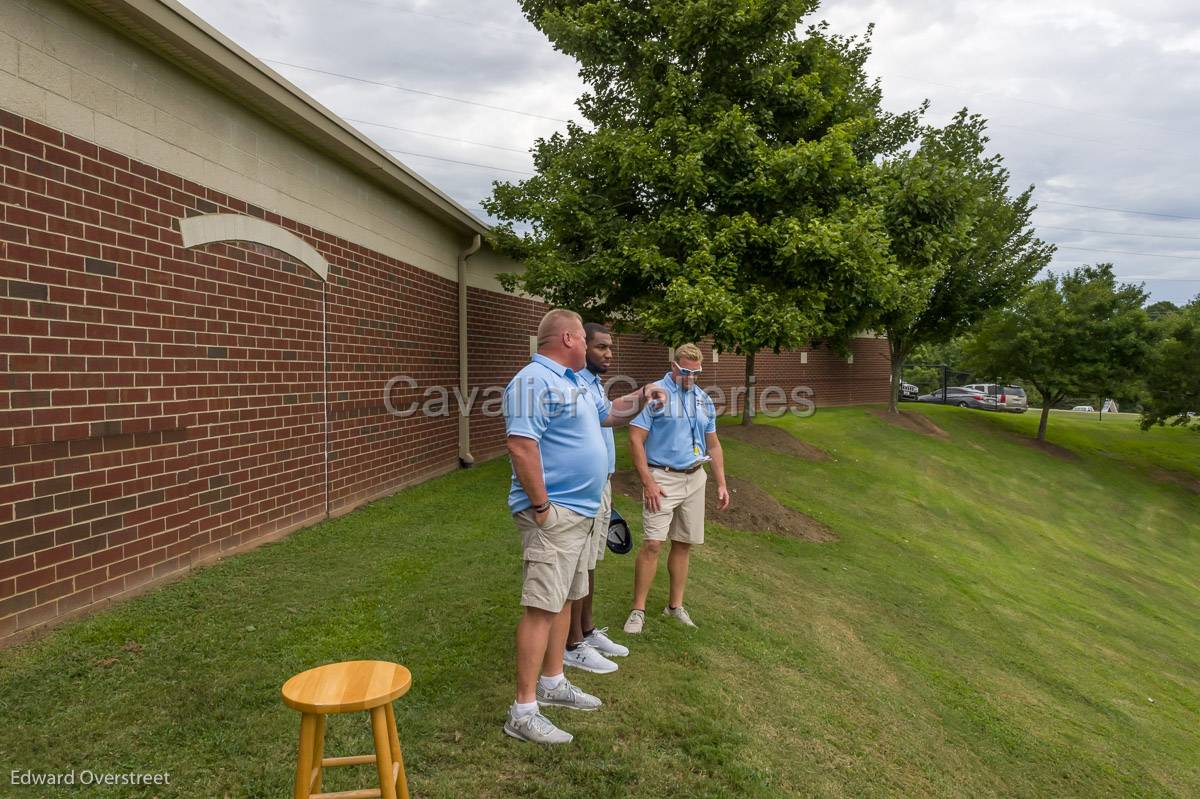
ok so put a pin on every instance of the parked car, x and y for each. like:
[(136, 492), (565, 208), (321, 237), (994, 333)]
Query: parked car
[(963, 397), (1008, 398), (909, 392), (1083, 409)]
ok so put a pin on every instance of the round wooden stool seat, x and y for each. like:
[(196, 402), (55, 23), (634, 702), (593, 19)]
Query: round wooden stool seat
[(346, 687), (370, 685)]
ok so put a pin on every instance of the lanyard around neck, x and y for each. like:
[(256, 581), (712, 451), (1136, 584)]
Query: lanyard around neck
[(692, 419)]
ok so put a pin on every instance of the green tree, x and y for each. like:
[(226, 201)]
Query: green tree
[(1074, 334), (1173, 373), (922, 366), (963, 245), (1163, 308), (724, 184)]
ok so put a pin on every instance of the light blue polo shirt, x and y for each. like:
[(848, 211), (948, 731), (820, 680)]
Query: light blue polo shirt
[(596, 385), (678, 425), (551, 404)]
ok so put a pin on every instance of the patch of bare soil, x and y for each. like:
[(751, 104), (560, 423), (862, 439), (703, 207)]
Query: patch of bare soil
[(1188, 481), (915, 422), (1062, 453), (750, 509), (775, 439)]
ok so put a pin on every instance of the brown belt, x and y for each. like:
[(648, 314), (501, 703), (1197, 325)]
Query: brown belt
[(688, 470)]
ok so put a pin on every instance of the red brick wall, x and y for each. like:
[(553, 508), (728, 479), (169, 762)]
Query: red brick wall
[(160, 406), (832, 379), (163, 405), (498, 331)]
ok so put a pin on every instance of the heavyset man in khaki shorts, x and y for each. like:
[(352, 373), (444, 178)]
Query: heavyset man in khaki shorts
[(560, 467), (670, 443)]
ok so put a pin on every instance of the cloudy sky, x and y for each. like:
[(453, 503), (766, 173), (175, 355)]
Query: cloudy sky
[(1092, 101)]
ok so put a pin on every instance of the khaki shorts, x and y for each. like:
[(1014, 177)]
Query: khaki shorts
[(556, 557), (680, 516), (601, 534)]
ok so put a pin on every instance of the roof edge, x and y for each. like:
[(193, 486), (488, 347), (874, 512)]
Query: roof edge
[(178, 35)]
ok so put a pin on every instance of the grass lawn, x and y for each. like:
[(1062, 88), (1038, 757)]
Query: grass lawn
[(995, 621)]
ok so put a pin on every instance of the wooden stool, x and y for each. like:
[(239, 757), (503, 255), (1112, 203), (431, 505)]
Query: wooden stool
[(355, 685)]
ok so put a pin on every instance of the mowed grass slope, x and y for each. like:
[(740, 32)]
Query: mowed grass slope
[(994, 621)]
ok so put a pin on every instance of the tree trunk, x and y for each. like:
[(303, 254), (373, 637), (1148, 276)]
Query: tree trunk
[(1046, 403), (748, 404), (897, 370)]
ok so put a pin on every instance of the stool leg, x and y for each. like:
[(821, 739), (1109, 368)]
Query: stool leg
[(319, 752), (308, 729), (383, 753), (397, 755)]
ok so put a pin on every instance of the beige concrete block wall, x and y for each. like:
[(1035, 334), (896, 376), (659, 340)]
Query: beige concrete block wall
[(62, 68)]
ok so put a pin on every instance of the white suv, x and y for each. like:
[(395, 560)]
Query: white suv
[(1008, 398)]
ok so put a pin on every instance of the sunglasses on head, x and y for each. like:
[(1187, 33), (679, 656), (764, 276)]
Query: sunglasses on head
[(687, 372)]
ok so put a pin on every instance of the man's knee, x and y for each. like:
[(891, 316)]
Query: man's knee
[(680, 547), (539, 616), (651, 548)]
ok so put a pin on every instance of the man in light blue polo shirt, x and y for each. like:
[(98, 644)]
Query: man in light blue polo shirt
[(560, 467), (669, 445)]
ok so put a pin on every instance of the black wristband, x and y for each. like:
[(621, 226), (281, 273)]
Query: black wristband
[(545, 506)]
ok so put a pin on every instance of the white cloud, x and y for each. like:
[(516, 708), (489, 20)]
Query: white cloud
[(1096, 102)]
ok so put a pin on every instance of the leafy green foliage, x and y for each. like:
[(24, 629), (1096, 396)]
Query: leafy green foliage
[(1076, 334), (724, 185), (1173, 374), (922, 367), (963, 245), (1161, 309)]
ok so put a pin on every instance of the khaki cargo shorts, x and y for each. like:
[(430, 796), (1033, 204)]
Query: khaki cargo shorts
[(680, 516), (556, 557), (601, 534)]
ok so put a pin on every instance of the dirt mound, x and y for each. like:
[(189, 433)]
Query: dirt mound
[(1054, 450), (1189, 481), (1062, 453), (775, 439), (915, 422), (750, 509)]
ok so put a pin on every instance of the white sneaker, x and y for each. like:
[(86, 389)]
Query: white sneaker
[(536, 728), (637, 618), (680, 615), (566, 695), (588, 658), (607, 646)]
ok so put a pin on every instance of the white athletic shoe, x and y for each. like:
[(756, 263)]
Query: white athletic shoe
[(680, 615), (637, 618), (588, 658), (566, 695), (535, 728), (607, 646)]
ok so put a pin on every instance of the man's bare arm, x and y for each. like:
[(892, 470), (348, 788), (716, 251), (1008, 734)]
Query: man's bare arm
[(527, 463), (718, 466), (625, 408), (651, 491)]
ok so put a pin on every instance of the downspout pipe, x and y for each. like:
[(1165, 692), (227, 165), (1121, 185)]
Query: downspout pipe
[(465, 458)]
